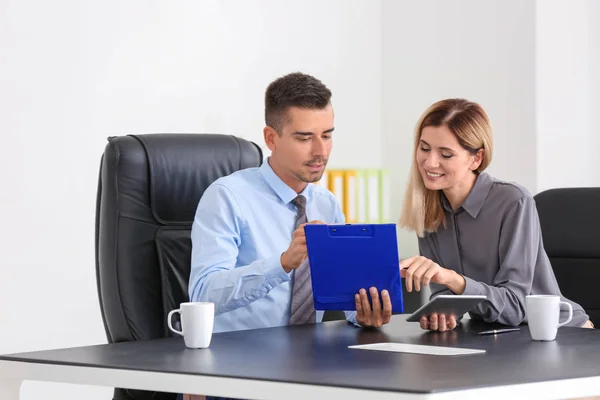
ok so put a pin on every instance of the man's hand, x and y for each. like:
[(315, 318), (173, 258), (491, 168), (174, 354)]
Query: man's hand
[(296, 252), (377, 315), (420, 271), (438, 322)]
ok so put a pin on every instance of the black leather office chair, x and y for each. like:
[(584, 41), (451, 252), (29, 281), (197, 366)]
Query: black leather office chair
[(148, 190), (570, 218)]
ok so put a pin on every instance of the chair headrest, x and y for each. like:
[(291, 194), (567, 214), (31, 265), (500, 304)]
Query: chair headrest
[(182, 166), (569, 218)]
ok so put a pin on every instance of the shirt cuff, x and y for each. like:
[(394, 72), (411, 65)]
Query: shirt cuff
[(274, 272), (473, 287), (351, 317), (579, 318)]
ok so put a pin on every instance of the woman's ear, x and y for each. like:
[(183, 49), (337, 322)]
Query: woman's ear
[(477, 160)]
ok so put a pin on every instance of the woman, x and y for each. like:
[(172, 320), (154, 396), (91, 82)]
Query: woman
[(477, 234)]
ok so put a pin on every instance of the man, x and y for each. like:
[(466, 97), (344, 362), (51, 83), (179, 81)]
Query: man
[(248, 243)]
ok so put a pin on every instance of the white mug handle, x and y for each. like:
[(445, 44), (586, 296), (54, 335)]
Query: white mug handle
[(170, 317), (570, 313)]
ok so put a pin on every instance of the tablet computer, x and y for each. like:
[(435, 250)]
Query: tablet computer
[(456, 305), (345, 258)]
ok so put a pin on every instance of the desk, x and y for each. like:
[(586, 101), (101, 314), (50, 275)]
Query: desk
[(314, 362)]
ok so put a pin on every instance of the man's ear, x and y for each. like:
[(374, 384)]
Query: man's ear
[(270, 135)]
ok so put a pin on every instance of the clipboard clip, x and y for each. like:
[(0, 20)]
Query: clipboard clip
[(350, 230)]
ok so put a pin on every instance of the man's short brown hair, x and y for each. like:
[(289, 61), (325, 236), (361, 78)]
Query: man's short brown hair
[(293, 90)]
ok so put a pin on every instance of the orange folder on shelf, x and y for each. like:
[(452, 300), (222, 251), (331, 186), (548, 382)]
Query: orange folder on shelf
[(336, 186)]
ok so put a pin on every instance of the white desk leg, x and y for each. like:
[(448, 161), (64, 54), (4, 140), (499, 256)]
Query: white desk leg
[(9, 389)]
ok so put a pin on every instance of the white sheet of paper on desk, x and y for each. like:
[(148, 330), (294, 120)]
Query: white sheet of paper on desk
[(418, 349)]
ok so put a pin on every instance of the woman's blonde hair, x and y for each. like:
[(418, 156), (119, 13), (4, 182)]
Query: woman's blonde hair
[(422, 210)]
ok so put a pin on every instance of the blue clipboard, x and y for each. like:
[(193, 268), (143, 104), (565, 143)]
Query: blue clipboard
[(345, 258)]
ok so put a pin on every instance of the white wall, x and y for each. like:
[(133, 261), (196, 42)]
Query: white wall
[(479, 50), (594, 91), (567, 81), (73, 73)]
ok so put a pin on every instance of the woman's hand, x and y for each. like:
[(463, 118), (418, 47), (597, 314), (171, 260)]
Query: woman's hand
[(438, 322), (420, 271)]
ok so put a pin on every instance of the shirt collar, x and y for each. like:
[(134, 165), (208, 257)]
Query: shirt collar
[(283, 191), (474, 201)]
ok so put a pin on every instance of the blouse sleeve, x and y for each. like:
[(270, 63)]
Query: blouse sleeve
[(518, 250)]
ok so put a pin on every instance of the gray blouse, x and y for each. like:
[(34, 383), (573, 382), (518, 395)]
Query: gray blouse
[(494, 240)]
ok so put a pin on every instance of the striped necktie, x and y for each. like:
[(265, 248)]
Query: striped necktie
[(303, 307)]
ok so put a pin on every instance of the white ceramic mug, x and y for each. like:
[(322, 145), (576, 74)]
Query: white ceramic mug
[(543, 312), (197, 320)]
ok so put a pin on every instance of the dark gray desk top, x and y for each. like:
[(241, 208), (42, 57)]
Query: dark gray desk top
[(319, 355)]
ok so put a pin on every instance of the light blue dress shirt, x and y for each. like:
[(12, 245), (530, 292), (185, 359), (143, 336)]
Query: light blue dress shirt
[(243, 223)]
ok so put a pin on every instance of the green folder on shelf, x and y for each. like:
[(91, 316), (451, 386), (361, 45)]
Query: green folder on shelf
[(385, 196)]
